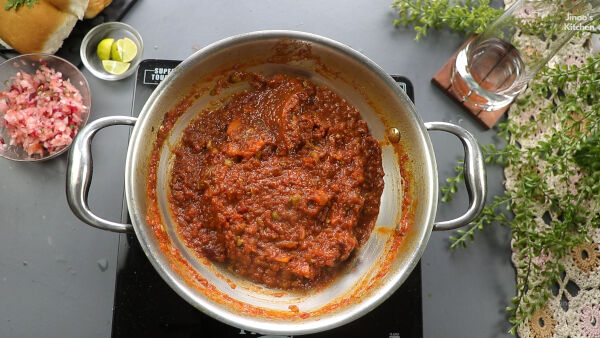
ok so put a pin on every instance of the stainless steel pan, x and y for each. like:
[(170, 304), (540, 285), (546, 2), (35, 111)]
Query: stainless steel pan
[(408, 204)]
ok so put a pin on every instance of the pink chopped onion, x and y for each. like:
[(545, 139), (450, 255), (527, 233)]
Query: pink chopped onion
[(41, 112)]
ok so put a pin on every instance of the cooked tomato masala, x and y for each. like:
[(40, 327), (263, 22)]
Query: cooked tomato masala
[(281, 184)]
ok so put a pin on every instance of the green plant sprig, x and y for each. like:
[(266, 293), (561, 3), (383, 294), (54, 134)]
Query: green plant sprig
[(543, 26), (452, 187), (490, 214), (468, 17), (572, 112), (16, 4), (473, 16)]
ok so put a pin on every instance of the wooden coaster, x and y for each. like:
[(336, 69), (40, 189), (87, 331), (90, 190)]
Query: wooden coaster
[(442, 80)]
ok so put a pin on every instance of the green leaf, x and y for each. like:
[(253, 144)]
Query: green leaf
[(467, 18), (16, 4)]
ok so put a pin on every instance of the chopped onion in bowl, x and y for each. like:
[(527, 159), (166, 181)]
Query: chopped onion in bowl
[(41, 112)]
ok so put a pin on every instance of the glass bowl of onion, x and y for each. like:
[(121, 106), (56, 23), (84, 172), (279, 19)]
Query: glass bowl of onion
[(44, 101)]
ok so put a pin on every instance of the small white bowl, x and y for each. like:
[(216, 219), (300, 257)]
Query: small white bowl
[(115, 30)]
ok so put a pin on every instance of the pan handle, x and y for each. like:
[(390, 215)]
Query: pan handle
[(474, 171), (79, 173)]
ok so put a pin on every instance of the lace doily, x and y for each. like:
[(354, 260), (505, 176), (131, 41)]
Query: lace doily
[(574, 308)]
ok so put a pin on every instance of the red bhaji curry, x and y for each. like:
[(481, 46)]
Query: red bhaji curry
[(281, 184)]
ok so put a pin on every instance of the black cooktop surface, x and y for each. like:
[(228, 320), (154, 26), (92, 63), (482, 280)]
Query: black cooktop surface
[(145, 306)]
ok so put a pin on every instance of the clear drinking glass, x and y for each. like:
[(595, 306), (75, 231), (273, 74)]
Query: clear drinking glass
[(494, 68)]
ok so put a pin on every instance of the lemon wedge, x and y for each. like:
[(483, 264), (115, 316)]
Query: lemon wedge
[(115, 67), (103, 49), (124, 50)]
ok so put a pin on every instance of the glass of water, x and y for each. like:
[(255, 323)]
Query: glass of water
[(494, 67)]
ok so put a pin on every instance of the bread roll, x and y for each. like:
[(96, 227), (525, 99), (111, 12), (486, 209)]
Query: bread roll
[(75, 7), (38, 29), (4, 44), (95, 7)]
